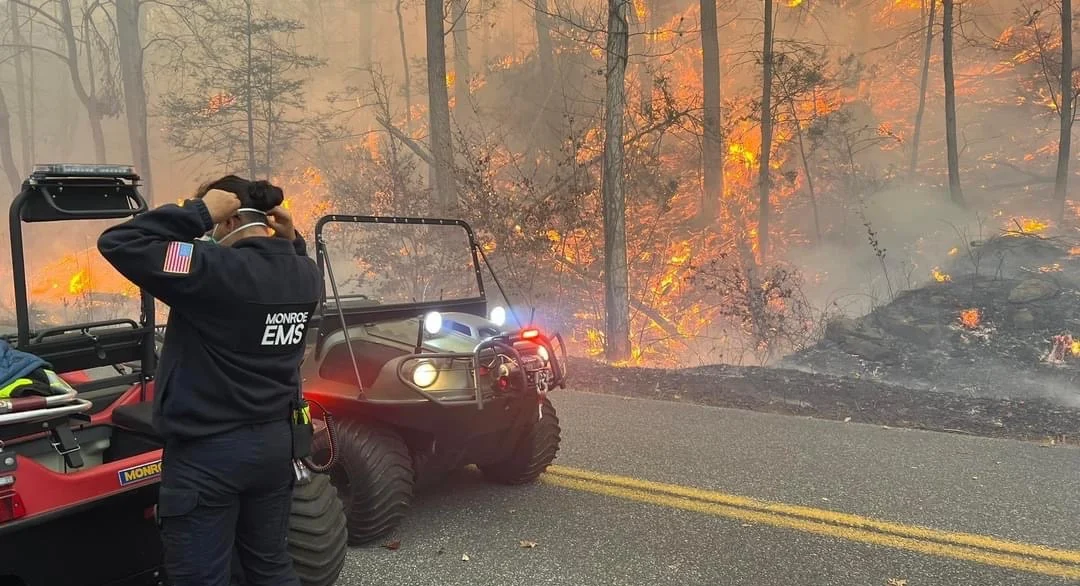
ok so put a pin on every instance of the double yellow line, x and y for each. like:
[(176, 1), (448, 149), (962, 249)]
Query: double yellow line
[(962, 546)]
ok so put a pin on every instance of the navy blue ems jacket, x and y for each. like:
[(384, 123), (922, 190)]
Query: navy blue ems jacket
[(237, 320)]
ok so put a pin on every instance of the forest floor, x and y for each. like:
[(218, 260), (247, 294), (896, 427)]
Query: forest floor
[(986, 351)]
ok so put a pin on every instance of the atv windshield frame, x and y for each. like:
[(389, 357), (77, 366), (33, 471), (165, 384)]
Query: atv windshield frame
[(339, 314)]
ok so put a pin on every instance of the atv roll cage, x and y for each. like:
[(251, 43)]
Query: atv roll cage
[(61, 192), (496, 364)]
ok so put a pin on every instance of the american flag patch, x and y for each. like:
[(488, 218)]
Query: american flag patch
[(178, 258)]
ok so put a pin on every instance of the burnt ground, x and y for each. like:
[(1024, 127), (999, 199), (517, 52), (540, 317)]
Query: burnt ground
[(914, 362)]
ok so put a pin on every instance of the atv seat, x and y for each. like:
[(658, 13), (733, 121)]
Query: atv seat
[(137, 418)]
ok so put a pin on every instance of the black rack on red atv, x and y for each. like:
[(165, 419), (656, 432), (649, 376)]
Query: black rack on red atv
[(64, 192)]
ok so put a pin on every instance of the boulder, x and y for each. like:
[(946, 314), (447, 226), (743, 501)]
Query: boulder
[(1031, 290), (1023, 319)]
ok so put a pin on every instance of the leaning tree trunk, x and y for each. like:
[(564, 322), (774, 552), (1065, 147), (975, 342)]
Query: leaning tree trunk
[(462, 72), (20, 85), (1065, 110), (928, 48), (439, 108), (712, 149), (616, 281), (131, 69), (766, 132), (952, 150), (7, 160)]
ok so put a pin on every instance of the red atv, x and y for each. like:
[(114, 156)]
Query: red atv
[(79, 469)]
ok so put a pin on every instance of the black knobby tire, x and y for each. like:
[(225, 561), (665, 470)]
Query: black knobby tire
[(533, 453), (318, 540), (373, 475)]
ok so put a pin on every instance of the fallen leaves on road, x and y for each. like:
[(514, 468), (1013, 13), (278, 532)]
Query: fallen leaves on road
[(527, 544), (393, 545), (464, 557), (897, 582), (847, 419)]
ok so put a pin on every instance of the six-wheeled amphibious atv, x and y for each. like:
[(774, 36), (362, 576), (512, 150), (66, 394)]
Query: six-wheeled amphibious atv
[(422, 376)]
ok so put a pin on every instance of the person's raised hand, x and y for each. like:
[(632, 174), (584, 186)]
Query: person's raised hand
[(282, 223), (221, 204)]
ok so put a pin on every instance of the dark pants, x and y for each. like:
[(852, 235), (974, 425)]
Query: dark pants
[(226, 491)]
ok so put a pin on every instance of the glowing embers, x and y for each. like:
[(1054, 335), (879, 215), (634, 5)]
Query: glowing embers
[(970, 318), (1062, 347)]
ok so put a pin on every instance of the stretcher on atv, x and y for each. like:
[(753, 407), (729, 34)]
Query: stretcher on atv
[(422, 373), (79, 470)]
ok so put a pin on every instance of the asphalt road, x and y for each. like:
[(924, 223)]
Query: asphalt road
[(748, 499)]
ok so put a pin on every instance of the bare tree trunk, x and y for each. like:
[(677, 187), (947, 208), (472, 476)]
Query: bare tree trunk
[(462, 71), (250, 98), (953, 150), (616, 273), (712, 150), (20, 85), (641, 48), (806, 172), (131, 69), (89, 101), (913, 164), (367, 33), (1065, 110), (439, 107), (545, 53), (766, 132), (405, 67), (7, 160)]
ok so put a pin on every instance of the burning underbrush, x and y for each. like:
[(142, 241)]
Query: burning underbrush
[(986, 347), (999, 326)]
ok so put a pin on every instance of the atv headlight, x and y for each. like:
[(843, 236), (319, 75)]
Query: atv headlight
[(542, 352), (424, 374), (433, 322), (498, 315)]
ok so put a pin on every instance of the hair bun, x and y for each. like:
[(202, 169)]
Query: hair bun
[(265, 196)]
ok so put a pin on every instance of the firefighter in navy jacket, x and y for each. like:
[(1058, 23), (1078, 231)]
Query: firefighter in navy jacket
[(240, 298)]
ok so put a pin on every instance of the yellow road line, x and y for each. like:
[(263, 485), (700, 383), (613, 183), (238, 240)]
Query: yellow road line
[(963, 546)]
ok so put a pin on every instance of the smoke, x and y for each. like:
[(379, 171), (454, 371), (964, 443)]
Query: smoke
[(915, 229)]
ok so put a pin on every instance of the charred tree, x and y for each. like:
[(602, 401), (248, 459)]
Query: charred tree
[(616, 273), (7, 159), (1066, 103), (956, 194), (20, 84), (545, 52), (712, 150), (366, 33), (407, 83), (766, 132), (131, 71), (439, 107), (928, 48), (462, 72), (249, 93)]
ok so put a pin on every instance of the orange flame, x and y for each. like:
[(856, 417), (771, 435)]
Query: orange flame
[(971, 318)]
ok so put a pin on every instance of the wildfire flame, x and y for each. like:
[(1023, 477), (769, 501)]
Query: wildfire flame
[(1026, 226), (971, 318), (939, 276)]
